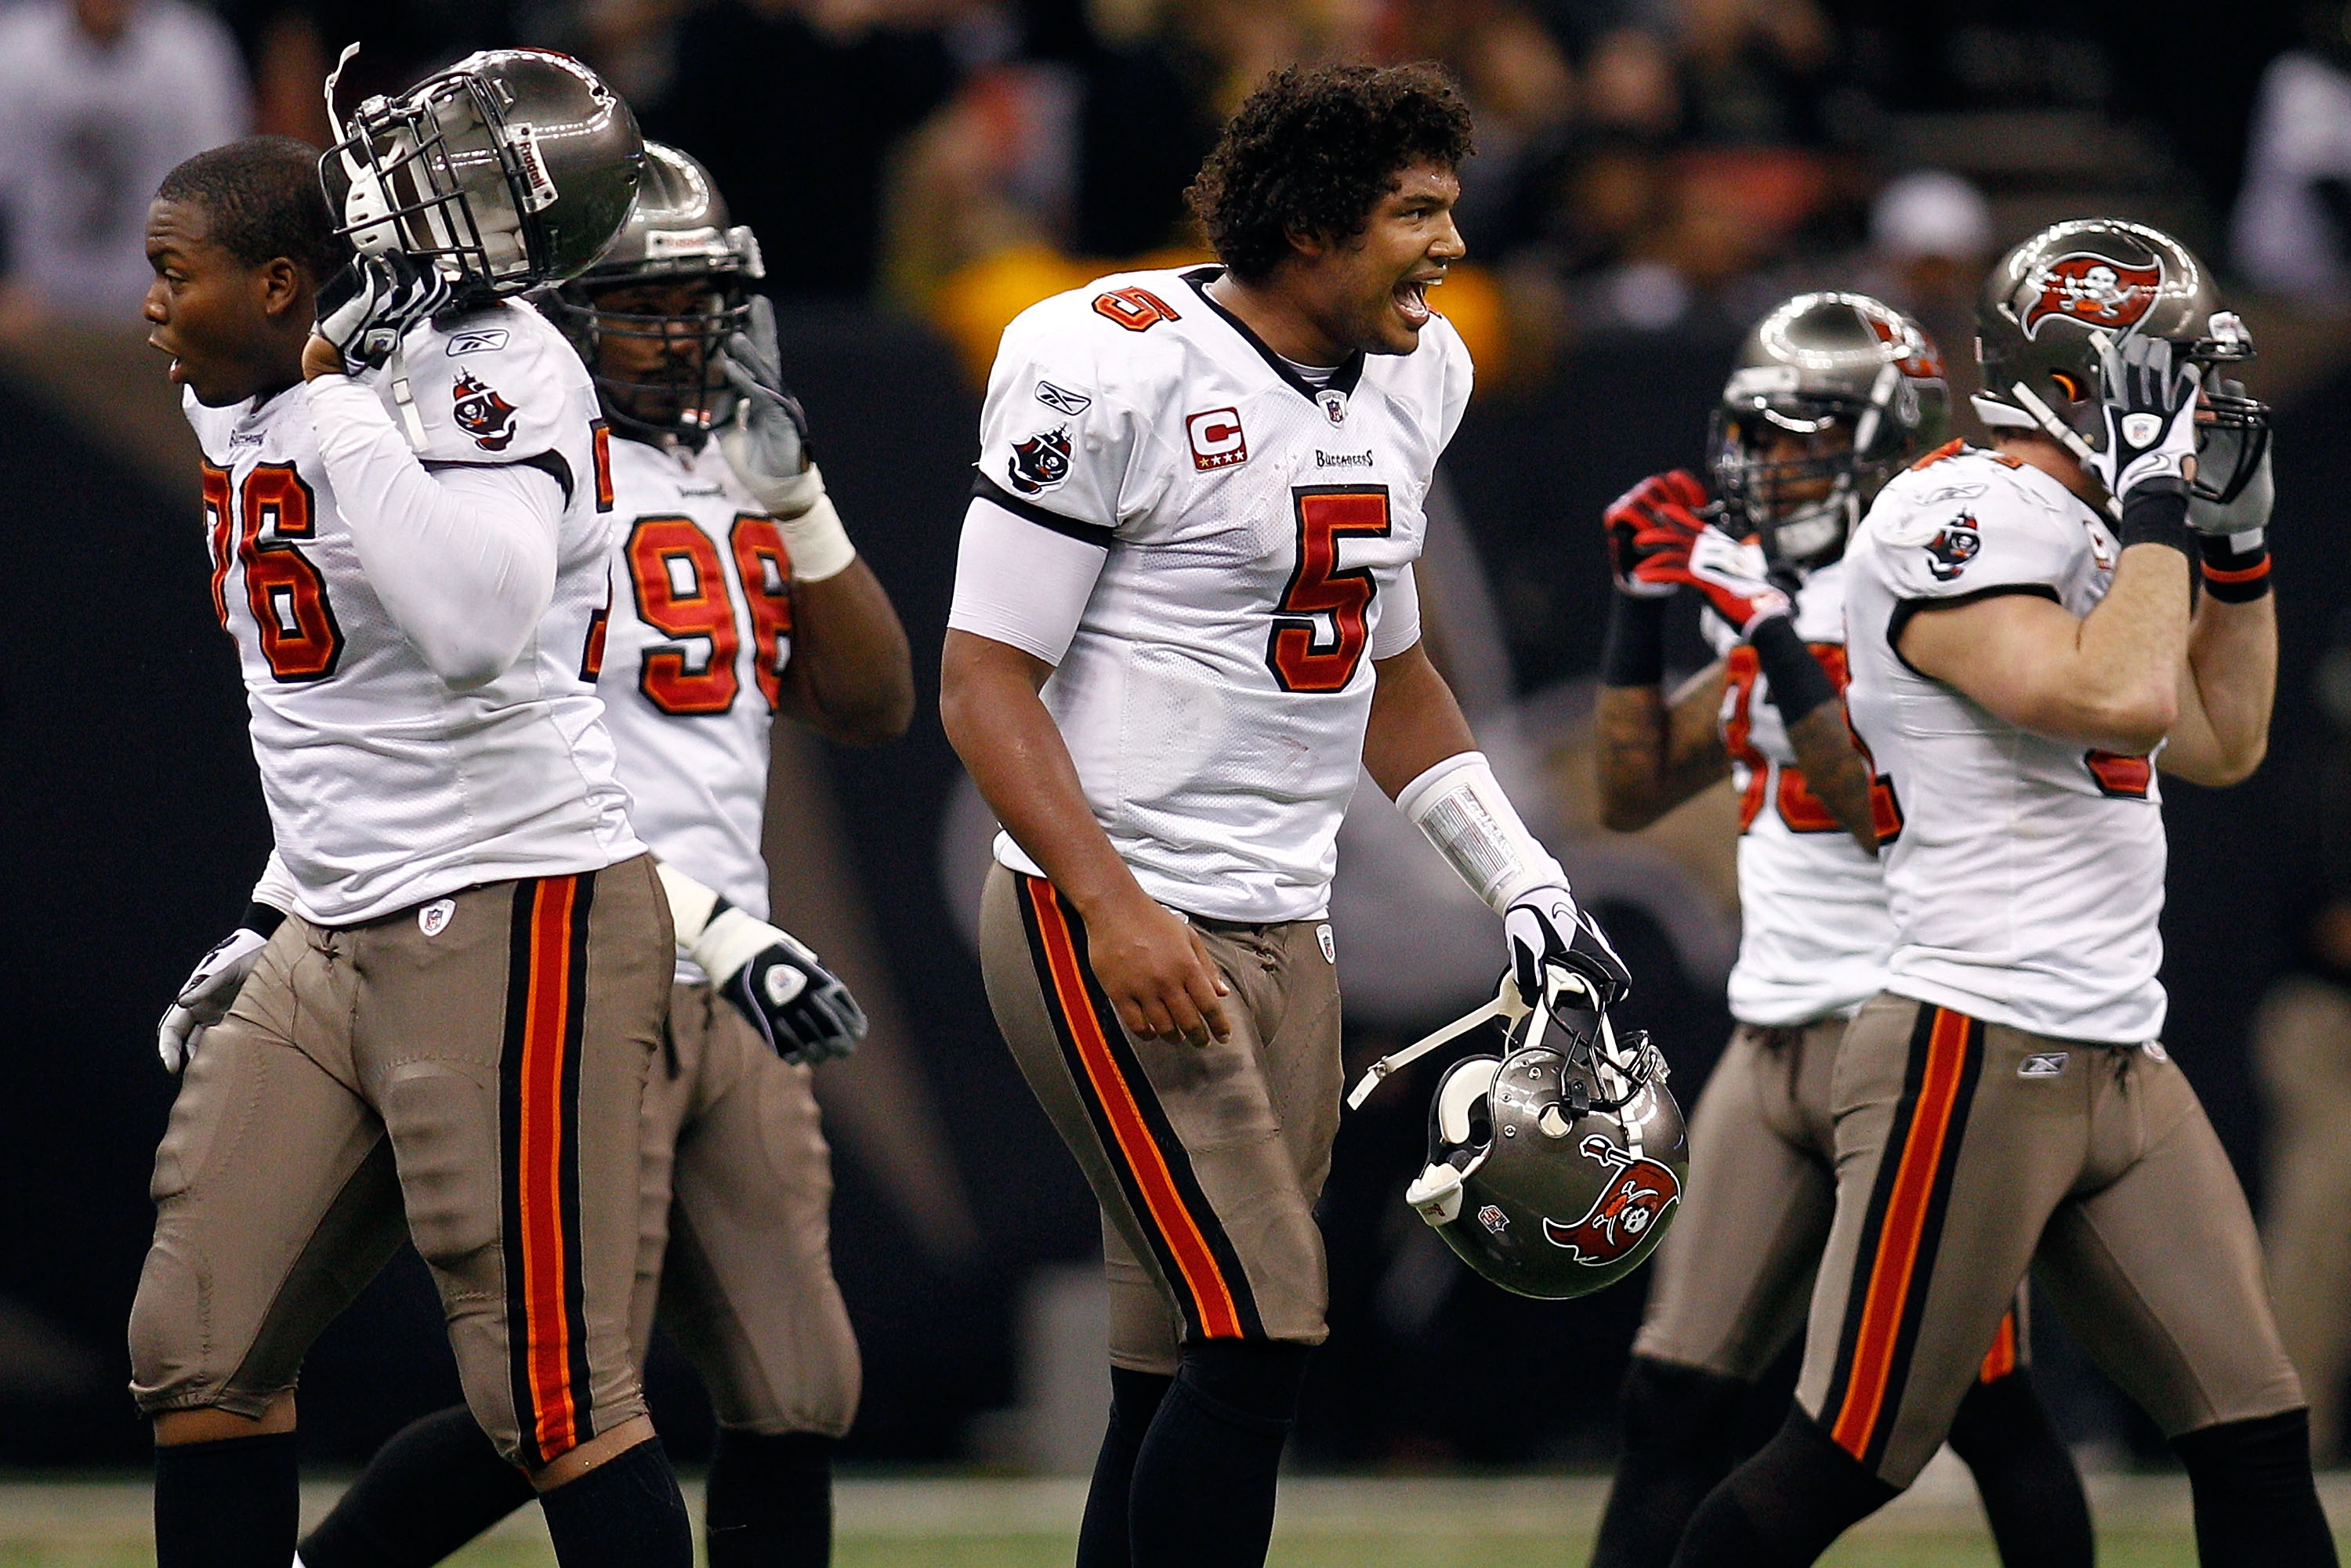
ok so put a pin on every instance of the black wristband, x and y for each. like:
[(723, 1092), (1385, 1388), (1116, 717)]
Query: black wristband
[(1635, 651), (2231, 577), (1799, 685), (2155, 513), (264, 919)]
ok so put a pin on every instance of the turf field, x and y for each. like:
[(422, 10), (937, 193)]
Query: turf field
[(1356, 1523)]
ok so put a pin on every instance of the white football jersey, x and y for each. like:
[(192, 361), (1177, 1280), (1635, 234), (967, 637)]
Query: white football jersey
[(1814, 931), (1260, 533), (694, 659), (385, 785), (2027, 877)]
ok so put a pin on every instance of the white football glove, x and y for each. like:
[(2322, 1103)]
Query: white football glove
[(365, 308), (207, 996), (2148, 399), (1544, 930), (799, 1008), (767, 442)]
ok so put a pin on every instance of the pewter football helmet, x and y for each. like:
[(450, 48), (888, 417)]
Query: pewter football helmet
[(512, 169), (1856, 384), (678, 230), (1553, 1169), (2052, 302)]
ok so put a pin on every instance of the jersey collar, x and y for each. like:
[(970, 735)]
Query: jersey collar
[(1342, 379)]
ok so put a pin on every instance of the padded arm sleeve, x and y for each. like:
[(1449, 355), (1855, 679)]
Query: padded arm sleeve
[(463, 559), (1021, 583)]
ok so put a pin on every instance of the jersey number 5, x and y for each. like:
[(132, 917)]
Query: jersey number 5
[(287, 594), (1323, 625), (682, 592)]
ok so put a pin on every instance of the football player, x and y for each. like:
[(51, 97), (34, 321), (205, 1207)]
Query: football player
[(739, 595), (2029, 646), (446, 1037), (1183, 620), (1834, 394)]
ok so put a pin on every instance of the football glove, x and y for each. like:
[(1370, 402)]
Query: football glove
[(798, 1006), (1731, 573), (1650, 530), (366, 308), (767, 442), (2148, 398), (1544, 930), (207, 996), (2248, 514)]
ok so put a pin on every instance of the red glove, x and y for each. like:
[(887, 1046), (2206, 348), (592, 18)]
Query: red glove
[(1650, 530), (1731, 573)]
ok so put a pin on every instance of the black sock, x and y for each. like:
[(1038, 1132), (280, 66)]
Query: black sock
[(1681, 1438), (1784, 1507), (1134, 1399), (2032, 1494), (1203, 1491), (626, 1513), (2255, 1500), (434, 1485), (233, 1503), (770, 1500)]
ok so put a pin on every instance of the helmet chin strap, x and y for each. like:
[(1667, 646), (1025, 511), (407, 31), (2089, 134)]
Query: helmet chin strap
[(2065, 434), (1507, 1005)]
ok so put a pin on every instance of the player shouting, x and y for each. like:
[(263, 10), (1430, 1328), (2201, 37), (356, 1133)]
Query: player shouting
[(1834, 394), (2028, 647), (740, 596), (447, 1038), (1183, 619)]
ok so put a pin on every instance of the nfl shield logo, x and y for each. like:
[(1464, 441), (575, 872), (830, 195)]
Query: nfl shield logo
[(1334, 405)]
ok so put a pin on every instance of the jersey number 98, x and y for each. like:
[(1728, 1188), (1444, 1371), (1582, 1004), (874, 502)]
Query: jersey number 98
[(684, 593)]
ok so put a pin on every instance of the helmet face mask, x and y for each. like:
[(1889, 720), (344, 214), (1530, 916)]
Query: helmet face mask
[(652, 317), (513, 169), (2053, 302), (1832, 396)]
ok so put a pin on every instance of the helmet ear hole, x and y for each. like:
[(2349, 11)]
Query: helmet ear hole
[(1460, 1105), (2072, 389)]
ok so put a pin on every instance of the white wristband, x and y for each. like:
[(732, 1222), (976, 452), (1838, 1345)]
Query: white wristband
[(1460, 806), (721, 943), (819, 546)]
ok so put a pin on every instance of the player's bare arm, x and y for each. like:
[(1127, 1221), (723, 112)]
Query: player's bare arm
[(1154, 969), (2109, 679), (1416, 723), (1656, 752), (850, 677), (2227, 685)]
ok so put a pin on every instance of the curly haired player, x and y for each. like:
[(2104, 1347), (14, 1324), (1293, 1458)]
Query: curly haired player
[(1184, 620)]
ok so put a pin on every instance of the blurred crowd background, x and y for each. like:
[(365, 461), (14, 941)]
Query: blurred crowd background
[(1651, 175)]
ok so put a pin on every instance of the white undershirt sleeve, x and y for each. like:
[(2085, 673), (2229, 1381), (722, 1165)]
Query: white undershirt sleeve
[(463, 558), (1399, 626), (1021, 583)]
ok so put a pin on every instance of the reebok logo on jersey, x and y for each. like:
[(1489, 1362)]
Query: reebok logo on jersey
[(1040, 462), (1217, 439), (482, 413), (2043, 1064), (481, 340), (1955, 544), (1061, 400)]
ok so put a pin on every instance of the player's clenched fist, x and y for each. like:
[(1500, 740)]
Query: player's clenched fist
[(1156, 972), (1733, 575), (1650, 530)]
